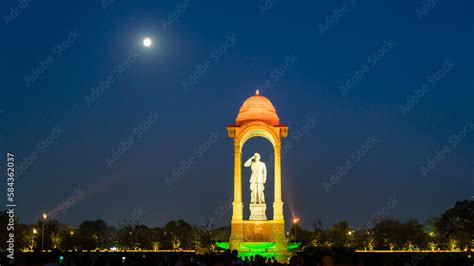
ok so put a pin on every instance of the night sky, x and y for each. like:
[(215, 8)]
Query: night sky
[(381, 97)]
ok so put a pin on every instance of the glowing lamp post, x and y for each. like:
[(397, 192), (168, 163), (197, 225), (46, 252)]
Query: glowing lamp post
[(350, 234), (295, 222), (45, 216)]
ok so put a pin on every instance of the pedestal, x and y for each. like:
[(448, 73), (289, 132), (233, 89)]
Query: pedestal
[(266, 238), (257, 211)]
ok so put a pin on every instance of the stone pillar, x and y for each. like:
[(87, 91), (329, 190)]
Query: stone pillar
[(278, 203), (237, 210), (278, 232)]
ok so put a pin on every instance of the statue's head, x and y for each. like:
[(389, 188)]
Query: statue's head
[(257, 157)]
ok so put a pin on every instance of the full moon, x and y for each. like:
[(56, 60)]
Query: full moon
[(147, 42)]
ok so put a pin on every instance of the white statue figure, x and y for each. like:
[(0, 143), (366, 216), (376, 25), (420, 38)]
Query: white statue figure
[(257, 179)]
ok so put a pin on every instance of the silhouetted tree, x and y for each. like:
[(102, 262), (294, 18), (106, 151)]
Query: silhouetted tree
[(135, 237), (177, 234), (337, 235), (93, 234), (70, 236), (414, 236), (27, 237), (388, 234), (318, 238), (455, 228), (364, 239), (52, 229), (302, 235)]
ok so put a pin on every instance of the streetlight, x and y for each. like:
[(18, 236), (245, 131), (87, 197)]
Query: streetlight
[(45, 216), (350, 234), (32, 243), (295, 222)]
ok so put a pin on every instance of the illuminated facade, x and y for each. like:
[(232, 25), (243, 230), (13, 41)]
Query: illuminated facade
[(258, 118)]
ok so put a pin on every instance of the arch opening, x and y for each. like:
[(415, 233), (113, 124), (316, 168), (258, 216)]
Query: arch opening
[(253, 132), (265, 148)]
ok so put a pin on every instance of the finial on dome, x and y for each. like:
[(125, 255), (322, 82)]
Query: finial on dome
[(257, 92)]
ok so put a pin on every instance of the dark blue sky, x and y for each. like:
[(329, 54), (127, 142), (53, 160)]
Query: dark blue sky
[(98, 40)]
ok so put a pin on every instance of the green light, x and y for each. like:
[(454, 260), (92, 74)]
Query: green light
[(224, 245), (293, 245), (258, 246), (264, 249)]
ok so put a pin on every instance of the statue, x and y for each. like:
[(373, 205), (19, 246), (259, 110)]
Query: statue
[(257, 179)]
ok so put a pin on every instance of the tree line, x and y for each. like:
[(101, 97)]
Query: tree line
[(453, 230)]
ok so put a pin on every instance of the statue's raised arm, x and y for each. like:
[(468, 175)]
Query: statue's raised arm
[(248, 163)]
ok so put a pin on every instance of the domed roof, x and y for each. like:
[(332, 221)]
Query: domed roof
[(257, 107)]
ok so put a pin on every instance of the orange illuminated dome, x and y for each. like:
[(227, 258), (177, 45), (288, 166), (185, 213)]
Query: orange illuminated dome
[(257, 107)]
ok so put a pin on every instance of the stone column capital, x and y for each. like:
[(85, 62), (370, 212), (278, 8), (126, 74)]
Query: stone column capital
[(277, 147)]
